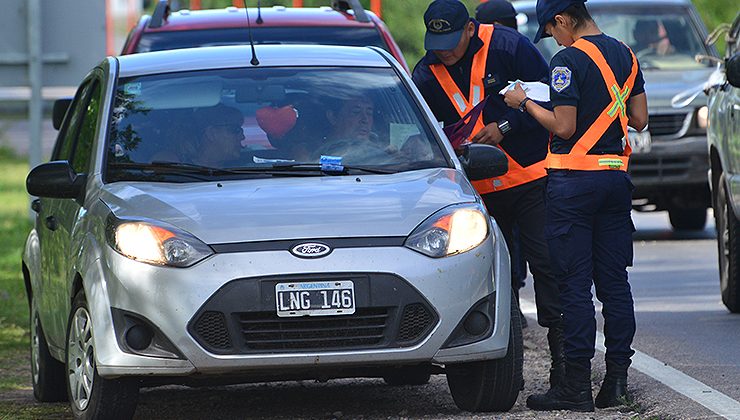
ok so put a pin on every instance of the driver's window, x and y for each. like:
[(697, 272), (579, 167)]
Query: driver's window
[(70, 127)]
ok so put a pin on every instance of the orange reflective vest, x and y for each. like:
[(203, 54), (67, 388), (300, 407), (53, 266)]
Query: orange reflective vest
[(517, 175), (578, 158)]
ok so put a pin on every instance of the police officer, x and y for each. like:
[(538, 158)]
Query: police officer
[(466, 61), (596, 89), (499, 12)]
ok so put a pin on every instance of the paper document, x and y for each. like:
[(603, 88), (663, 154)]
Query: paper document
[(537, 91)]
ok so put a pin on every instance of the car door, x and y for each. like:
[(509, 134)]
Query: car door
[(60, 216)]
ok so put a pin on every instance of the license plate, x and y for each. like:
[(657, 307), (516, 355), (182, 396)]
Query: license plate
[(315, 298), (640, 142)]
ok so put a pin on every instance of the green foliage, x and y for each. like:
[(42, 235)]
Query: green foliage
[(716, 12), (14, 226)]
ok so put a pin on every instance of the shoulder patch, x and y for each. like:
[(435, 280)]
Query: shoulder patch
[(560, 78)]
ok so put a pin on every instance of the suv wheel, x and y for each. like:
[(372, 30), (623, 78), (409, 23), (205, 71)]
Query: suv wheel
[(490, 385), (688, 218), (728, 247), (91, 396), (47, 374), (408, 375)]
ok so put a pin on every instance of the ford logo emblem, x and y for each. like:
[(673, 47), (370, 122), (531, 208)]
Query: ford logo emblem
[(310, 250)]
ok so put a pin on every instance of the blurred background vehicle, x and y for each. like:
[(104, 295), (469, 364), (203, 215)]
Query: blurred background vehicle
[(669, 162), (344, 23), (723, 134)]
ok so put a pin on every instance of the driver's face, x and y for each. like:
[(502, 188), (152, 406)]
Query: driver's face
[(355, 119)]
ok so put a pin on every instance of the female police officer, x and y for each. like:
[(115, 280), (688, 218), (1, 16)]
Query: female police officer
[(596, 89)]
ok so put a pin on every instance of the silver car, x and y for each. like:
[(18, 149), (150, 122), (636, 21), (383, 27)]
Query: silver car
[(213, 216)]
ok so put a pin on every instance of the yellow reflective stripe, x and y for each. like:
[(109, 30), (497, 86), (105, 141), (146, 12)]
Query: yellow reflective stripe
[(612, 163)]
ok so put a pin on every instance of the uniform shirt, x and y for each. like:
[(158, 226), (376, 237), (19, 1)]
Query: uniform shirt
[(511, 56), (576, 80)]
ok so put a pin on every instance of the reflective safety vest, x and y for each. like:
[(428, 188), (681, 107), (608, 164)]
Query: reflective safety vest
[(517, 175), (578, 158)]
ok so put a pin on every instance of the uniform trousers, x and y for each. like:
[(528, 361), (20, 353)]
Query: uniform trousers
[(589, 233), (524, 205)]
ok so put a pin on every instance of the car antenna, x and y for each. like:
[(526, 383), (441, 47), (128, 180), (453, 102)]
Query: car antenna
[(254, 61), (259, 12)]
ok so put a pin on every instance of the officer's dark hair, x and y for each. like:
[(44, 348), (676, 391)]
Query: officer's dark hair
[(578, 13), (510, 22)]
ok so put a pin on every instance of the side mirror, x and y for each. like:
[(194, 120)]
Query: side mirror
[(56, 180), (732, 70), (60, 109), (482, 161)]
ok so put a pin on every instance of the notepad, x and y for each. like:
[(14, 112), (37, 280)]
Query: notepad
[(537, 91)]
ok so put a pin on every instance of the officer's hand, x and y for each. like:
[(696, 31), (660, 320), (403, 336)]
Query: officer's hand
[(490, 134), (514, 97)]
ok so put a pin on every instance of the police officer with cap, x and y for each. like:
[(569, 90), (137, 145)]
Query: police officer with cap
[(596, 89), (497, 12), (465, 62)]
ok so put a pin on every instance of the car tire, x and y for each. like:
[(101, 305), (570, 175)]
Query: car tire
[(728, 247), (91, 396), (688, 218), (47, 373), (408, 375), (490, 385)]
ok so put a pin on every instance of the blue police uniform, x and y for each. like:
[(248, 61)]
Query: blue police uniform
[(511, 56), (589, 227)]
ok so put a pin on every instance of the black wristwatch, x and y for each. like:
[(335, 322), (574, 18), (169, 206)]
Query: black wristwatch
[(504, 126)]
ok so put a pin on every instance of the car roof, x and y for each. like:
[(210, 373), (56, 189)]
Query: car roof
[(235, 56), (529, 5), (232, 17)]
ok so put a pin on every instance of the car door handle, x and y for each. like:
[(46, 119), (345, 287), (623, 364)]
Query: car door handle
[(51, 223), (36, 205)]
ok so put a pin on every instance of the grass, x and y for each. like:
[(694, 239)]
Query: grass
[(14, 226)]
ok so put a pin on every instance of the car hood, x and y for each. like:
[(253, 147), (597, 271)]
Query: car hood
[(661, 85), (290, 208)]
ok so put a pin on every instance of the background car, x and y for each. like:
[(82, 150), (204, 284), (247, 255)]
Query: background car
[(344, 23), (166, 251), (724, 151), (669, 163)]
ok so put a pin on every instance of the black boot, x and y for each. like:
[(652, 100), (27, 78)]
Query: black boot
[(613, 390), (557, 355), (573, 394)]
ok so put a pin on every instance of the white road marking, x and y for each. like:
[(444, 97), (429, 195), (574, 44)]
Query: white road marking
[(674, 379)]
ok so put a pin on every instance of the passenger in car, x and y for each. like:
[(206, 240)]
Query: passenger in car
[(651, 38), (351, 130), (220, 134)]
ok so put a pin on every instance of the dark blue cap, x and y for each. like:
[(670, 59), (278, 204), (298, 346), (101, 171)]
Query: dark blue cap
[(445, 21), (546, 11), (494, 10)]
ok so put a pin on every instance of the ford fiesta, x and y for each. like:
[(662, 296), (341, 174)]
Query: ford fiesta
[(213, 216)]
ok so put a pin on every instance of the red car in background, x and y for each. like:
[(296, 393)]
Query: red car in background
[(344, 23)]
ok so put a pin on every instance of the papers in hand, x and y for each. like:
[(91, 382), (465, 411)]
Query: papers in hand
[(537, 91)]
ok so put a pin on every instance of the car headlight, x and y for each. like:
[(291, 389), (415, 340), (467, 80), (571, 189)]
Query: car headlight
[(450, 231), (155, 243), (702, 117)]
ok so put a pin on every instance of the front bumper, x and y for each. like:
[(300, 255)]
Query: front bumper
[(174, 300)]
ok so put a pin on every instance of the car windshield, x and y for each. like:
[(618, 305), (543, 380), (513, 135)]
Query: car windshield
[(324, 35), (662, 38), (259, 122)]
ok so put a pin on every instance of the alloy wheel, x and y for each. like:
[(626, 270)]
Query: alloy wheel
[(35, 352), (80, 359)]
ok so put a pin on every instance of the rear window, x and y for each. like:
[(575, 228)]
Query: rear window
[(662, 38), (323, 35), (227, 123)]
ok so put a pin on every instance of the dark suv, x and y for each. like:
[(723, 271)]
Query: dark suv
[(669, 163), (724, 152), (344, 23)]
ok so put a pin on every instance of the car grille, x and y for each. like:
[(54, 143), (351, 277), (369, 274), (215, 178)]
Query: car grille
[(666, 124), (389, 314), (212, 329), (649, 167), (266, 331)]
